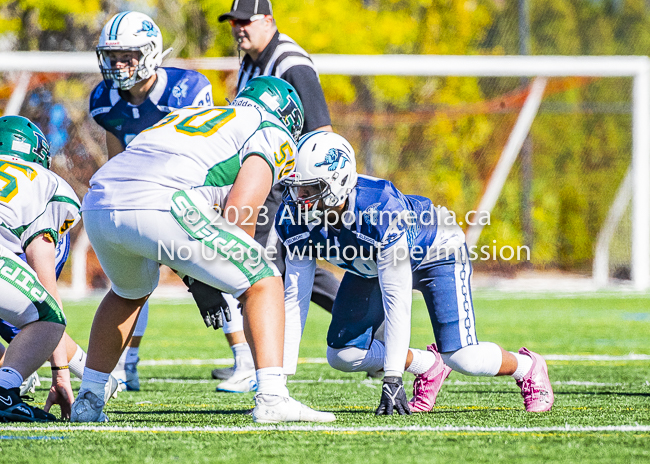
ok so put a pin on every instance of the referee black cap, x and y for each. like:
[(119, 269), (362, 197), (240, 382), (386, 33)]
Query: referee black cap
[(244, 9)]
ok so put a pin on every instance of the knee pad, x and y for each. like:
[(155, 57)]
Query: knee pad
[(352, 359), (483, 359)]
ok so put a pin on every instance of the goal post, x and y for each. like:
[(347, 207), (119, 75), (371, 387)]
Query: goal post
[(541, 67)]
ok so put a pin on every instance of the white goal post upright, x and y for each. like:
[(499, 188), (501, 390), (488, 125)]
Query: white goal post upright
[(635, 67)]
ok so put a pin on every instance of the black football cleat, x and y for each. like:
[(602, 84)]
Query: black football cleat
[(14, 409)]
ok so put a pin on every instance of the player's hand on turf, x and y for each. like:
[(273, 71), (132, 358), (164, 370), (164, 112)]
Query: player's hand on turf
[(60, 393), (212, 305), (393, 398)]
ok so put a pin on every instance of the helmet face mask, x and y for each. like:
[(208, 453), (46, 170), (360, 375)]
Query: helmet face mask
[(124, 77), (275, 96), (130, 31), (21, 138), (309, 204), (325, 171)]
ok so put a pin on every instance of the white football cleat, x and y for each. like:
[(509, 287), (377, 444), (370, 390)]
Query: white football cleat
[(240, 382), (112, 388), (120, 375), (223, 373), (29, 384), (88, 408), (270, 409), (128, 377)]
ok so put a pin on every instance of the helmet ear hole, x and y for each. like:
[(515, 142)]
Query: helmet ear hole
[(345, 179), (21, 138), (276, 97)]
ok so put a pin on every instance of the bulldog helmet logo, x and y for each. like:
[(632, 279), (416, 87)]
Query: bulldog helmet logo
[(149, 28), (333, 157)]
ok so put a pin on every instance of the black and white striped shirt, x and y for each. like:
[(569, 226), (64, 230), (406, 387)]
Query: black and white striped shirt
[(285, 59)]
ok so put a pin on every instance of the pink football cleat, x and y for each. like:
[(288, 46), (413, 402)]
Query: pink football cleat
[(536, 386), (426, 386)]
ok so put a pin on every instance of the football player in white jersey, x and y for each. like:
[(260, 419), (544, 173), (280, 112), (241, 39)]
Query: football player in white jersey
[(153, 204), (36, 208), (137, 92), (76, 355)]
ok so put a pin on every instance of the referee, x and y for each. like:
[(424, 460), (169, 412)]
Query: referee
[(269, 53)]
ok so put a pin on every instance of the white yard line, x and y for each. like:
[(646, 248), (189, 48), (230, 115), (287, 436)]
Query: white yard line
[(376, 383), (217, 361), (321, 428), (597, 357), (548, 357)]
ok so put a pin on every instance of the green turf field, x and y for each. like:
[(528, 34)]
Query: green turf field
[(601, 412)]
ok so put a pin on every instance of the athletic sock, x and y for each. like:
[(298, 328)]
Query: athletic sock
[(131, 356), (524, 365), (243, 357), (78, 362), (94, 381), (270, 381), (422, 361), (10, 378)]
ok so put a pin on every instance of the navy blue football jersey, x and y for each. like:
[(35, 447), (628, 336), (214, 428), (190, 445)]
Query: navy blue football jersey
[(371, 223), (174, 88)]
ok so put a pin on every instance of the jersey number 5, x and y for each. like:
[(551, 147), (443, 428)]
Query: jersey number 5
[(10, 187)]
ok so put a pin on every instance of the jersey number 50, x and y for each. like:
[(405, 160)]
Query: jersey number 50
[(203, 123)]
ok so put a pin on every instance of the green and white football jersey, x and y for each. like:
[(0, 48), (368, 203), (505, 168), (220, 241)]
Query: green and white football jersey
[(191, 147), (33, 200)]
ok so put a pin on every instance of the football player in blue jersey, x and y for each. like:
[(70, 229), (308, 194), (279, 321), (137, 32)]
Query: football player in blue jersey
[(389, 244), (136, 91), (135, 94)]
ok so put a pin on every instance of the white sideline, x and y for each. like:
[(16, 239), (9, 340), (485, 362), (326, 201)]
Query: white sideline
[(321, 428)]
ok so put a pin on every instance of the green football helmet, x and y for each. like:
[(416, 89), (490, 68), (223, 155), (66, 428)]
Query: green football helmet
[(275, 96), (21, 138)]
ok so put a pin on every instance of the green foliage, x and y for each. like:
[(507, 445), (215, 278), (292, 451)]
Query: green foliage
[(439, 137), (50, 24)]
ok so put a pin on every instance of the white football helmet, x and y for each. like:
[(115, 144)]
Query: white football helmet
[(130, 31), (326, 162)]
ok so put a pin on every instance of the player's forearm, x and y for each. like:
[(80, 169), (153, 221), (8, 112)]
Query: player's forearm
[(396, 282), (248, 193), (243, 216), (59, 356)]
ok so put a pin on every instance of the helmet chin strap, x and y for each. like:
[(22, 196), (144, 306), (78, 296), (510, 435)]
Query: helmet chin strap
[(332, 201), (314, 213)]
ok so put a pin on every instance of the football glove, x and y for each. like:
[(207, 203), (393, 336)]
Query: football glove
[(212, 305), (393, 398)]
